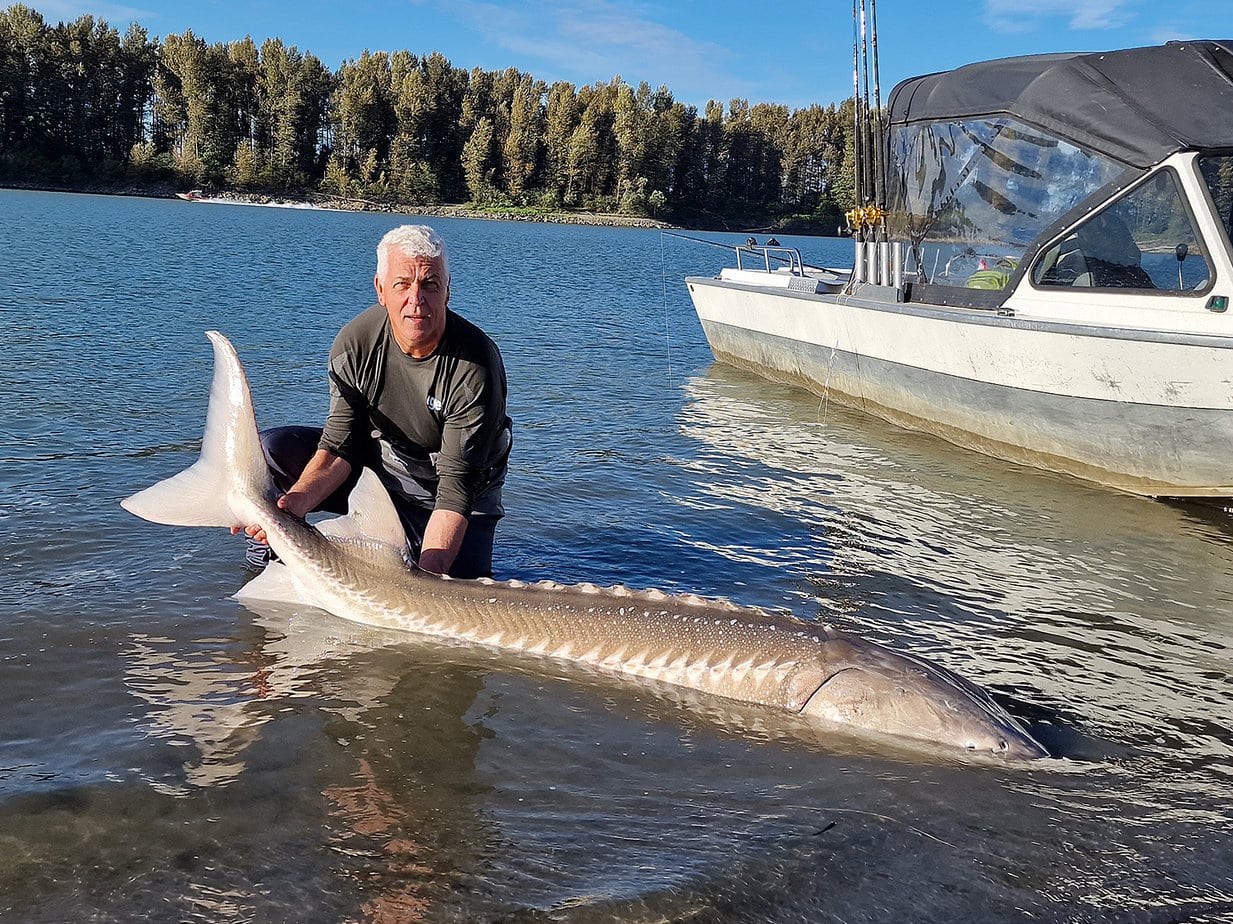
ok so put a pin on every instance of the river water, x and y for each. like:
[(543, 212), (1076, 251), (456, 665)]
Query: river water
[(168, 755)]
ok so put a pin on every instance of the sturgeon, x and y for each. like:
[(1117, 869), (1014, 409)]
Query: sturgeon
[(356, 567)]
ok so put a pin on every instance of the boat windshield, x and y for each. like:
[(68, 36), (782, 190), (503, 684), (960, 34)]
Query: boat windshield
[(970, 195), (1218, 172)]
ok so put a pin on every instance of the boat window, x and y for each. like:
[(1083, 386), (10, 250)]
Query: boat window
[(1218, 172), (970, 196), (1145, 240)]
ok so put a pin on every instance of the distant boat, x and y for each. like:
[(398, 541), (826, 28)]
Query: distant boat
[(1044, 277), (197, 195)]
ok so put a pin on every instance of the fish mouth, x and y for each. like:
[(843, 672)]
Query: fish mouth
[(1018, 746), (1021, 747)]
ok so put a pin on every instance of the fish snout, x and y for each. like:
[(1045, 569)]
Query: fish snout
[(914, 704)]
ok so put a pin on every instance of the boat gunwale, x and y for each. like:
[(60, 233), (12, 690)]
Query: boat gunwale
[(988, 317)]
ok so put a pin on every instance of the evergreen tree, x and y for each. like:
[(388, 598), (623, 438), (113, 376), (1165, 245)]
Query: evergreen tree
[(293, 92), (198, 101), (363, 115), (521, 152), (135, 91), (479, 163), (839, 155), (593, 166), (428, 108), (22, 53), (560, 121), (809, 130), (72, 96)]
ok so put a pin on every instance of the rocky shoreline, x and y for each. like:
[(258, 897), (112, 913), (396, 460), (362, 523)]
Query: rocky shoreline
[(460, 211), (340, 203)]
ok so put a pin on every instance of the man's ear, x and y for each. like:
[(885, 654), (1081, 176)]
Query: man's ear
[(376, 284)]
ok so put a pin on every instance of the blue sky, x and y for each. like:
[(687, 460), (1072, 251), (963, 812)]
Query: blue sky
[(796, 52)]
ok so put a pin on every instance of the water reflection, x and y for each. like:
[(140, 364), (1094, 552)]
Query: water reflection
[(1106, 608), (399, 743), (199, 700)]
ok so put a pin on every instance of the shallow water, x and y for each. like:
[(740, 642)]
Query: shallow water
[(167, 755)]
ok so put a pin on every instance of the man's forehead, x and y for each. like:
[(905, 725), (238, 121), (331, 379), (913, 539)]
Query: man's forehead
[(403, 264)]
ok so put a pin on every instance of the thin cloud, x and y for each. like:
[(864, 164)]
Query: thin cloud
[(1013, 16), (114, 14), (1169, 34), (586, 40)]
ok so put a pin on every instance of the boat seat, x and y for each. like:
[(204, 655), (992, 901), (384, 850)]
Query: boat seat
[(1101, 253), (1069, 266)]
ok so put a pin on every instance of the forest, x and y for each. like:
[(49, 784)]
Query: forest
[(82, 104)]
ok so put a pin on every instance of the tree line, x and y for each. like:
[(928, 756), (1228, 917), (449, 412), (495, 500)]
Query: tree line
[(80, 101)]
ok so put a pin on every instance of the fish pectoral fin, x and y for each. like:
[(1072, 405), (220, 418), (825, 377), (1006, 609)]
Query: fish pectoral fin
[(273, 584)]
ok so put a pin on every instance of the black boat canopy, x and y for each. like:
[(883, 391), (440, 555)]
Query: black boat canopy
[(1137, 106)]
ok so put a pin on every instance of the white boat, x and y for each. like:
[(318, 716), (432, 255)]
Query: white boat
[(197, 195), (1048, 281)]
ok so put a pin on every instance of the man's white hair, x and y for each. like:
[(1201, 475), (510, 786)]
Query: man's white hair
[(414, 241)]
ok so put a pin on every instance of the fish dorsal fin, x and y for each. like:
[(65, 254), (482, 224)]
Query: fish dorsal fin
[(370, 517)]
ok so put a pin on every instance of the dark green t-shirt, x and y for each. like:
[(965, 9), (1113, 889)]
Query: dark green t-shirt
[(435, 429)]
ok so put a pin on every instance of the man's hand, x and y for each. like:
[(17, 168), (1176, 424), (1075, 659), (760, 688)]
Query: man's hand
[(252, 530), (296, 503), (324, 473)]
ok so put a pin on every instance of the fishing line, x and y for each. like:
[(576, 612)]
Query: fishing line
[(726, 246), (696, 240), (663, 279), (825, 404)]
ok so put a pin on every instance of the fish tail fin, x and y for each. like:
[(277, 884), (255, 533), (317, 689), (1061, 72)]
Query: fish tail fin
[(231, 460)]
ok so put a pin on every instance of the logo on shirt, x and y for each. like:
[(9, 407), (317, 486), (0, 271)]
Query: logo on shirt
[(435, 404)]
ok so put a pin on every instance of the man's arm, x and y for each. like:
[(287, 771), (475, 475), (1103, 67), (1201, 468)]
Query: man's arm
[(322, 476), (442, 539)]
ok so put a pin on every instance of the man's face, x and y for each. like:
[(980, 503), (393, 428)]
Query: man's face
[(414, 292)]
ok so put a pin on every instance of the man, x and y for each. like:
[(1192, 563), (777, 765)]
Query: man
[(417, 393)]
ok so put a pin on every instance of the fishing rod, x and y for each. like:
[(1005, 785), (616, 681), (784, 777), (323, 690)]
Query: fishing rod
[(867, 219), (879, 172), (866, 116), (857, 133)]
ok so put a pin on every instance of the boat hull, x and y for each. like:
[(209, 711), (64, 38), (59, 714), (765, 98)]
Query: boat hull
[(1143, 412)]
